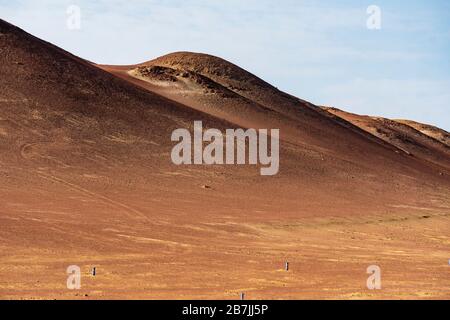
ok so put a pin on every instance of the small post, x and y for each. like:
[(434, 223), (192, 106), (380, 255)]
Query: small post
[(286, 266), (242, 295), (94, 271)]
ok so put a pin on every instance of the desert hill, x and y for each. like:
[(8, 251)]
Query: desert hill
[(86, 179)]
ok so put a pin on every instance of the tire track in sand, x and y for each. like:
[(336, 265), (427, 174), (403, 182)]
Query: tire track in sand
[(114, 203), (186, 247)]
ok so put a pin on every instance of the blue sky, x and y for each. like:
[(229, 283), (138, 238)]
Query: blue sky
[(320, 51)]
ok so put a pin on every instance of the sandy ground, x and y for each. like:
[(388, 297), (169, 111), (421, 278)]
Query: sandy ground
[(215, 259)]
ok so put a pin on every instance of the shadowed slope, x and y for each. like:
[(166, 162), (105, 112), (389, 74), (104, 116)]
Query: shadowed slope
[(429, 130), (401, 135)]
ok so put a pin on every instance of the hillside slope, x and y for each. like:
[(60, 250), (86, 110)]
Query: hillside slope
[(401, 134)]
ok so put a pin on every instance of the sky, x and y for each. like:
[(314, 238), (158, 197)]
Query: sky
[(320, 51)]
